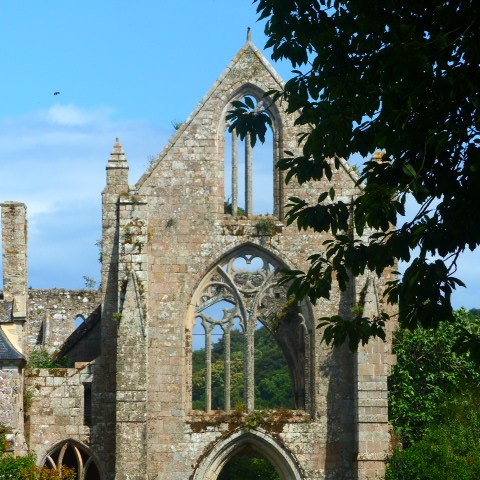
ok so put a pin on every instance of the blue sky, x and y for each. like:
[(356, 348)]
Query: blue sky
[(123, 69)]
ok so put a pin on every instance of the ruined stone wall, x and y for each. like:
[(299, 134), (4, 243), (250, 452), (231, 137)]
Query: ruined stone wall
[(52, 314), (84, 345), (11, 405), (171, 232), (57, 406), (15, 259)]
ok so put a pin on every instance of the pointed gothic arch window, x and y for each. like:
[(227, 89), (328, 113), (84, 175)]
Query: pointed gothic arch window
[(241, 302), (73, 454), (253, 184)]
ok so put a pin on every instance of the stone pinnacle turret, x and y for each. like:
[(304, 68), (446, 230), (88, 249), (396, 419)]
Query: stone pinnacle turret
[(117, 166)]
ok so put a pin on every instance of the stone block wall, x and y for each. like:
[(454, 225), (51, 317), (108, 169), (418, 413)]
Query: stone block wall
[(11, 405), (57, 406), (15, 259), (52, 314)]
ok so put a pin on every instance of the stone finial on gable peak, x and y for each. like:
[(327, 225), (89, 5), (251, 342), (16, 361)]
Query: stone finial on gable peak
[(249, 34)]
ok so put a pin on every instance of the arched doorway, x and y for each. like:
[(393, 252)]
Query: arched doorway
[(248, 466), (255, 443)]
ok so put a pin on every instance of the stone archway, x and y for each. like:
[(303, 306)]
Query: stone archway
[(258, 440), (74, 454)]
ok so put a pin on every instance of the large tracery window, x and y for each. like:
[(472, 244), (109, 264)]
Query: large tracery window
[(249, 343)]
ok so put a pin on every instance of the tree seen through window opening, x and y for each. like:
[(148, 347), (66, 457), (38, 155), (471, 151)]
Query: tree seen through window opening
[(248, 468), (248, 352)]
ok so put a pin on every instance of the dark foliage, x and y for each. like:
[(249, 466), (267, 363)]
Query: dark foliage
[(434, 405), (450, 449), (248, 469), (401, 77)]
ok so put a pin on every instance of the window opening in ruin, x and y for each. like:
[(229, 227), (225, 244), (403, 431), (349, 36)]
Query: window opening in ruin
[(42, 333), (249, 174), (273, 380), (213, 356), (239, 336), (87, 404), (79, 320), (73, 455), (251, 467)]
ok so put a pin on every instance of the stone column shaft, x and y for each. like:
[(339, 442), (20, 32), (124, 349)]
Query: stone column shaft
[(234, 173), (248, 176)]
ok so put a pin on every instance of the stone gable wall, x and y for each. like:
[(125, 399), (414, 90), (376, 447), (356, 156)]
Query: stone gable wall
[(52, 314), (171, 233)]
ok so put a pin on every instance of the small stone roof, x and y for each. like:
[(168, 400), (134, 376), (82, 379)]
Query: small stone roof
[(7, 350), (6, 311)]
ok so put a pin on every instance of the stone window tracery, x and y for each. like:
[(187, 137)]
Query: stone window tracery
[(240, 295), (252, 182), (74, 455)]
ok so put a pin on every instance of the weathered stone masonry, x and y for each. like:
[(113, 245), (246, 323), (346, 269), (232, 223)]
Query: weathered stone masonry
[(169, 251)]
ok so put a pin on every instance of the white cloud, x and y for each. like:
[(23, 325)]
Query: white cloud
[(54, 161), (72, 115)]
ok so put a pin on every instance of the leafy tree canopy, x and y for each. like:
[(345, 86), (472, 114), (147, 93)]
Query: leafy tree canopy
[(400, 77), (450, 449), (434, 405)]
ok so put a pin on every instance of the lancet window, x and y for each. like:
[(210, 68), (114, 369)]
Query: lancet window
[(244, 325), (252, 183)]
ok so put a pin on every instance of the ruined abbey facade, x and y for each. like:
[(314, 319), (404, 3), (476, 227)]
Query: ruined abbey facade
[(179, 257)]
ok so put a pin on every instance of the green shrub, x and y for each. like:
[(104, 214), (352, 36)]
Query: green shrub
[(16, 468), (450, 449), (42, 359), (228, 208), (44, 473), (266, 226), (4, 443), (25, 468), (428, 373)]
